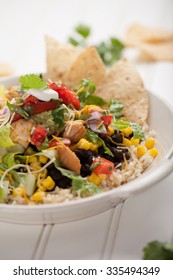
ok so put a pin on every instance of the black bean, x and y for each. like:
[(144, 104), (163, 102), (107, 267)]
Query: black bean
[(85, 170), (116, 137), (64, 183), (85, 156)]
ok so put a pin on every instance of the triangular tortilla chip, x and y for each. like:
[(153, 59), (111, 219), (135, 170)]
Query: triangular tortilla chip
[(157, 52), (88, 64), (124, 83), (59, 58), (138, 34)]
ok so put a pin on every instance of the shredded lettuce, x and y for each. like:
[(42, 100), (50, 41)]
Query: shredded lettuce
[(79, 184), (5, 140), (9, 159)]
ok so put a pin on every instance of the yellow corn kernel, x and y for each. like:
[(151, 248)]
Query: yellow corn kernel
[(77, 113), (32, 159), (153, 152), (38, 196), (141, 150), (102, 177), (43, 159), (43, 174), (149, 143), (124, 119), (90, 108), (93, 178), (127, 131), (134, 141), (93, 146), (127, 142), (84, 144), (18, 192), (35, 165), (48, 183), (110, 130)]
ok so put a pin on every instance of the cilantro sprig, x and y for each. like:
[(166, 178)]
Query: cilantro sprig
[(31, 81), (85, 91), (110, 50)]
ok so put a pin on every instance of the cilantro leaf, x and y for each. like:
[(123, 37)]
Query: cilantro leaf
[(19, 110), (59, 116), (85, 91), (31, 81), (83, 30), (156, 250), (115, 107)]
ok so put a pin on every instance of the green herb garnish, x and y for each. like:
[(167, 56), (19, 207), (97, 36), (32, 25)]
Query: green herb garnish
[(19, 110), (110, 51), (59, 116), (156, 250), (85, 91), (115, 107), (32, 81)]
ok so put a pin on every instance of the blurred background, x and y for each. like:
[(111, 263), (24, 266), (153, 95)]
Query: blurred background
[(23, 24)]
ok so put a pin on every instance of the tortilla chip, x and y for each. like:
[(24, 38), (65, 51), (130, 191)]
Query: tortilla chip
[(157, 52), (87, 64), (124, 83), (138, 34), (5, 70), (59, 58)]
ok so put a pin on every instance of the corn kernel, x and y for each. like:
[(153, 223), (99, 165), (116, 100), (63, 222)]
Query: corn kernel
[(110, 130), (141, 150), (84, 144), (127, 131), (102, 177), (35, 165), (43, 159), (32, 159), (43, 174), (18, 192), (134, 141), (127, 142), (93, 178), (149, 143), (48, 183), (38, 196), (93, 146), (153, 152)]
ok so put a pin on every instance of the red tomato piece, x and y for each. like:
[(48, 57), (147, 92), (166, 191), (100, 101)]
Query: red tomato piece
[(30, 100), (38, 135), (67, 95), (104, 166), (40, 107), (16, 117), (107, 119)]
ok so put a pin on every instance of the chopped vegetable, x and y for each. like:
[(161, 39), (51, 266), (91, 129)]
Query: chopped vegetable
[(66, 94), (5, 140), (104, 166), (38, 135)]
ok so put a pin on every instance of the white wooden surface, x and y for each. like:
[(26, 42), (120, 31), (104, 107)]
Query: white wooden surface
[(119, 233)]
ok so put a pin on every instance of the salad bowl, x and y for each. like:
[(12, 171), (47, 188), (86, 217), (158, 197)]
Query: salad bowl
[(160, 120)]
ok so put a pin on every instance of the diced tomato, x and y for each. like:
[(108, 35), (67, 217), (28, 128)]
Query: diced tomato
[(16, 117), (107, 119), (67, 95), (30, 100), (43, 106), (104, 166), (38, 135)]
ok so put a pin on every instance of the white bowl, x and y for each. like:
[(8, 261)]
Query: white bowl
[(160, 119)]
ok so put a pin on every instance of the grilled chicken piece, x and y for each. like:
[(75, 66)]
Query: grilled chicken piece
[(74, 130), (68, 159), (20, 132)]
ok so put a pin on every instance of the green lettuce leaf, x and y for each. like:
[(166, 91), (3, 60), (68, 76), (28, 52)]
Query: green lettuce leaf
[(137, 129), (80, 184), (8, 159), (5, 140)]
